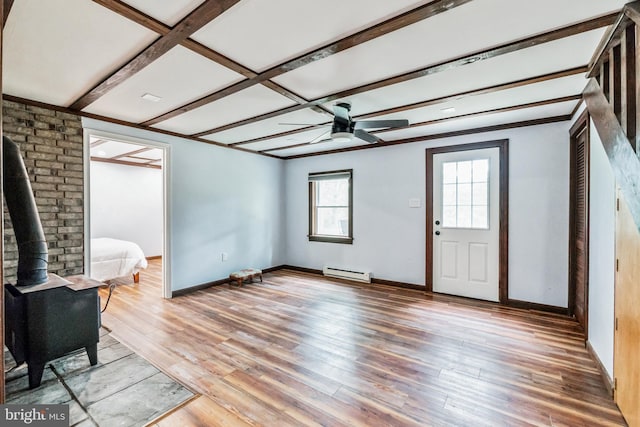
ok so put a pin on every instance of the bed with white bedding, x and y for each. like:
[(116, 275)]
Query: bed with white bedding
[(113, 258)]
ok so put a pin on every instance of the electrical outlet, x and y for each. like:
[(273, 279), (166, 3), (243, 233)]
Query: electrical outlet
[(225, 256)]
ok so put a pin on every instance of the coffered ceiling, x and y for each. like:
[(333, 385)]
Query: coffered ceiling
[(263, 75)]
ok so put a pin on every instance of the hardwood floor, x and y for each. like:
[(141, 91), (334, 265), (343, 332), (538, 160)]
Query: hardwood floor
[(300, 349)]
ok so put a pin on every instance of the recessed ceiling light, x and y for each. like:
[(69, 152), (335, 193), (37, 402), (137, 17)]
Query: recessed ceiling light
[(150, 97), (102, 153), (449, 110)]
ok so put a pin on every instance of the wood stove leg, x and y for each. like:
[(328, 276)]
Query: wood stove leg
[(136, 278), (92, 352), (36, 370)]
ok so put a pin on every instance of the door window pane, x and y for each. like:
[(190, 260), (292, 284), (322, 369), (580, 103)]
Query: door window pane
[(449, 194), (465, 194), (481, 170), (480, 194), (449, 173), (464, 217), (464, 171), (480, 219), (449, 216)]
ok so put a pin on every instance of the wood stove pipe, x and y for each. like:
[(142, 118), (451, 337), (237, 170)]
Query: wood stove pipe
[(33, 256)]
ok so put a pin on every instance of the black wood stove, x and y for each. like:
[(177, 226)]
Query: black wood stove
[(46, 316), (44, 322)]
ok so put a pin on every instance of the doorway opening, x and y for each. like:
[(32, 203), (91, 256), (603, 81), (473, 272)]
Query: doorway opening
[(126, 230), (467, 220)]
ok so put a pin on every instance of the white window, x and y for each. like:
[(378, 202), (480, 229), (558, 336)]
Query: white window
[(330, 210), (465, 194)]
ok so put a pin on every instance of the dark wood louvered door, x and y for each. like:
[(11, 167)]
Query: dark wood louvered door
[(579, 224)]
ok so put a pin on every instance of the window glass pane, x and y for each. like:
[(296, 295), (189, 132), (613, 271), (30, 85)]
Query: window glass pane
[(333, 192), (480, 170), (480, 219), (333, 221), (464, 216), (449, 216), (464, 171), (449, 194), (449, 172), (464, 194), (480, 195)]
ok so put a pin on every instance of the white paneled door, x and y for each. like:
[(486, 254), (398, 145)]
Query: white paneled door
[(466, 223)]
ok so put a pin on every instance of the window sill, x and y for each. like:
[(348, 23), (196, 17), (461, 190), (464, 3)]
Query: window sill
[(332, 239)]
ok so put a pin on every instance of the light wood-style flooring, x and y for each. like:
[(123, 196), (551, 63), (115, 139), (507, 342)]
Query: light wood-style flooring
[(301, 349)]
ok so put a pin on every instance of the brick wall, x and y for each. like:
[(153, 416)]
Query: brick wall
[(51, 145)]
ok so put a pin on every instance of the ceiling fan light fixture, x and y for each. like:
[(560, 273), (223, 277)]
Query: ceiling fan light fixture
[(341, 136)]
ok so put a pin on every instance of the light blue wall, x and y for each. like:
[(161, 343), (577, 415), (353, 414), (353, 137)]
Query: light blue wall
[(222, 200), (389, 236), (228, 201)]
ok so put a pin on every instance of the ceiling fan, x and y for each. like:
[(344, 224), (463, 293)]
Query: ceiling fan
[(344, 128)]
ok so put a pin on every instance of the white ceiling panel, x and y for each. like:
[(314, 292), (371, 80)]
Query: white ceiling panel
[(113, 148), (321, 146), (388, 56), (178, 77), (550, 89), (283, 123), (550, 57), (284, 141), (248, 103), (449, 126), (154, 153), (260, 34), (56, 50), (168, 12), (552, 110)]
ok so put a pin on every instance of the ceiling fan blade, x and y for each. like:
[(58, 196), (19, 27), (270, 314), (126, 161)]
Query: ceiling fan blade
[(366, 136), (371, 124), (341, 112), (320, 137)]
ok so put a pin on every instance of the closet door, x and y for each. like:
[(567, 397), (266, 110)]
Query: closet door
[(626, 363)]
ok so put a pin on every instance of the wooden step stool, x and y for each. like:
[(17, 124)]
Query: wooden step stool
[(246, 274)]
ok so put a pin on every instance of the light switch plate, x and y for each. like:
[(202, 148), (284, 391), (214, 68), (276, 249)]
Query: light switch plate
[(415, 203)]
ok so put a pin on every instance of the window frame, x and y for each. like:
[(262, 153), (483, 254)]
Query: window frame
[(314, 237)]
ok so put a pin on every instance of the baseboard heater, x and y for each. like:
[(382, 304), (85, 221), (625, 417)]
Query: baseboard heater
[(359, 276)]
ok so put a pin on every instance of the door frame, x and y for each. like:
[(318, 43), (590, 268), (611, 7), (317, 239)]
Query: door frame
[(582, 124), (166, 197), (503, 255)]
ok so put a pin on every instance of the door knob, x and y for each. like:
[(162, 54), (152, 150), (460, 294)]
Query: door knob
[(437, 233)]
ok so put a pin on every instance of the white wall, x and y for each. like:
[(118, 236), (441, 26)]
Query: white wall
[(221, 200), (126, 203), (602, 225), (389, 237)]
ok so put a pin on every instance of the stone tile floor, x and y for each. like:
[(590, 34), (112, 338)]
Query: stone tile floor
[(123, 389)]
